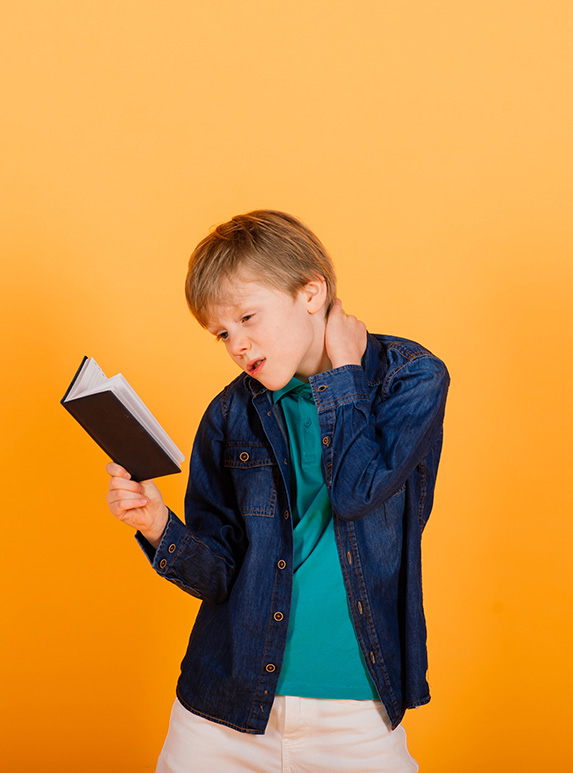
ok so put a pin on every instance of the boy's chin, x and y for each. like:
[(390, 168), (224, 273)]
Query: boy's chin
[(274, 384)]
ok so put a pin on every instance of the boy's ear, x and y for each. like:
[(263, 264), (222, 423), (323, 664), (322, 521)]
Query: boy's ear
[(315, 293)]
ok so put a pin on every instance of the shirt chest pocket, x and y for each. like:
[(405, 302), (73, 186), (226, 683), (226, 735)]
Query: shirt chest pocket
[(253, 473)]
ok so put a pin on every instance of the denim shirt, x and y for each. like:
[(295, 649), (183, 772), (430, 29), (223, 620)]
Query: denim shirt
[(381, 429)]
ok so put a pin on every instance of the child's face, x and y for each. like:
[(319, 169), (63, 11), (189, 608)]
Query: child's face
[(271, 335)]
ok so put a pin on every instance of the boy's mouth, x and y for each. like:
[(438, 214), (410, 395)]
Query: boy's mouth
[(254, 366)]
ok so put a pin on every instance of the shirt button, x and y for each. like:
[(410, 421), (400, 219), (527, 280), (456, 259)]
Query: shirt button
[(278, 616), (172, 548), (286, 515), (270, 667), (322, 387), (244, 456), (281, 564), (326, 441), (163, 563), (307, 422)]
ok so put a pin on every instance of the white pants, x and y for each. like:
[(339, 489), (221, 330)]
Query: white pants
[(304, 735)]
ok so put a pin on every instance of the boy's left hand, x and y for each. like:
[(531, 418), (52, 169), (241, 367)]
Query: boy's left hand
[(345, 337)]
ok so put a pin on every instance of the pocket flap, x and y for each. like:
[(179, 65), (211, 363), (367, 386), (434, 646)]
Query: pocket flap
[(247, 455)]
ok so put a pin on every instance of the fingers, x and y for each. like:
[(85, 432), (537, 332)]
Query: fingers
[(139, 505), (338, 310), (116, 470), (117, 492), (123, 493), (339, 319), (120, 502), (345, 337)]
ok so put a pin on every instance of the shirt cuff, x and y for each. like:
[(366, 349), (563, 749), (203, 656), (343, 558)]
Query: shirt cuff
[(174, 536)]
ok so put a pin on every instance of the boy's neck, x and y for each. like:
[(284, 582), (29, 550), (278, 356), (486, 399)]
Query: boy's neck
[(318, 360)]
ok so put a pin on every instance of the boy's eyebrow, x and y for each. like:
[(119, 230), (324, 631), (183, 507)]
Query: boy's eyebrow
[(213, 329), (237, 308)]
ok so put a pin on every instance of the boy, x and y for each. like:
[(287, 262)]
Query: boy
[(311, 480)]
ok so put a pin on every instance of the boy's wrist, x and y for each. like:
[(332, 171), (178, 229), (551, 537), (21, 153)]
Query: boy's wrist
[(155, 535)]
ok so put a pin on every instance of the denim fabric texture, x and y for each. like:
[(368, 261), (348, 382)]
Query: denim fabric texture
[(381, 429)]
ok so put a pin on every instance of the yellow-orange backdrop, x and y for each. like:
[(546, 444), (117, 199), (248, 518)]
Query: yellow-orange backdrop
[(429, 146)]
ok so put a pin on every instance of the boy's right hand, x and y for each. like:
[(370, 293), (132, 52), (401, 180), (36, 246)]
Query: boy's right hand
[(345, 337), (139, 505)]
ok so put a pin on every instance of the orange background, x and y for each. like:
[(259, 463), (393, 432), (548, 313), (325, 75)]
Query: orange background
[(429, 146)]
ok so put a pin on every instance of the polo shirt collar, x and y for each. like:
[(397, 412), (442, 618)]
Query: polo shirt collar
[(294, 383)]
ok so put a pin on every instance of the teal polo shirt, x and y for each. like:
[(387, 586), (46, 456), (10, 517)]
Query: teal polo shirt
[(322, 657)]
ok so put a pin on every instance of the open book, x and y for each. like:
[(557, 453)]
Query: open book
[(112, 412)]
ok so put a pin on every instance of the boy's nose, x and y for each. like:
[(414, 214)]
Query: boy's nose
[(239, 346)]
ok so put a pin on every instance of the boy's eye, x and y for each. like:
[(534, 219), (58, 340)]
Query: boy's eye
[(246, 318), (222, 336)]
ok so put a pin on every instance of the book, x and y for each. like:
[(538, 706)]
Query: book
[(114, 415)]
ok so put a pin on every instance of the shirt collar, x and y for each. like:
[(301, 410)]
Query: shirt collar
[(294, 383)]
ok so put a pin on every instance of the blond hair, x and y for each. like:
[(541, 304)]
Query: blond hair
[(271, 247)]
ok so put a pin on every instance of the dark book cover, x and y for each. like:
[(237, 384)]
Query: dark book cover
[(120, 434)]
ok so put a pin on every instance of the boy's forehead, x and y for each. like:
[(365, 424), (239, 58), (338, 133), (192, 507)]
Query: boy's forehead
[(234, 291), (233, 294)]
